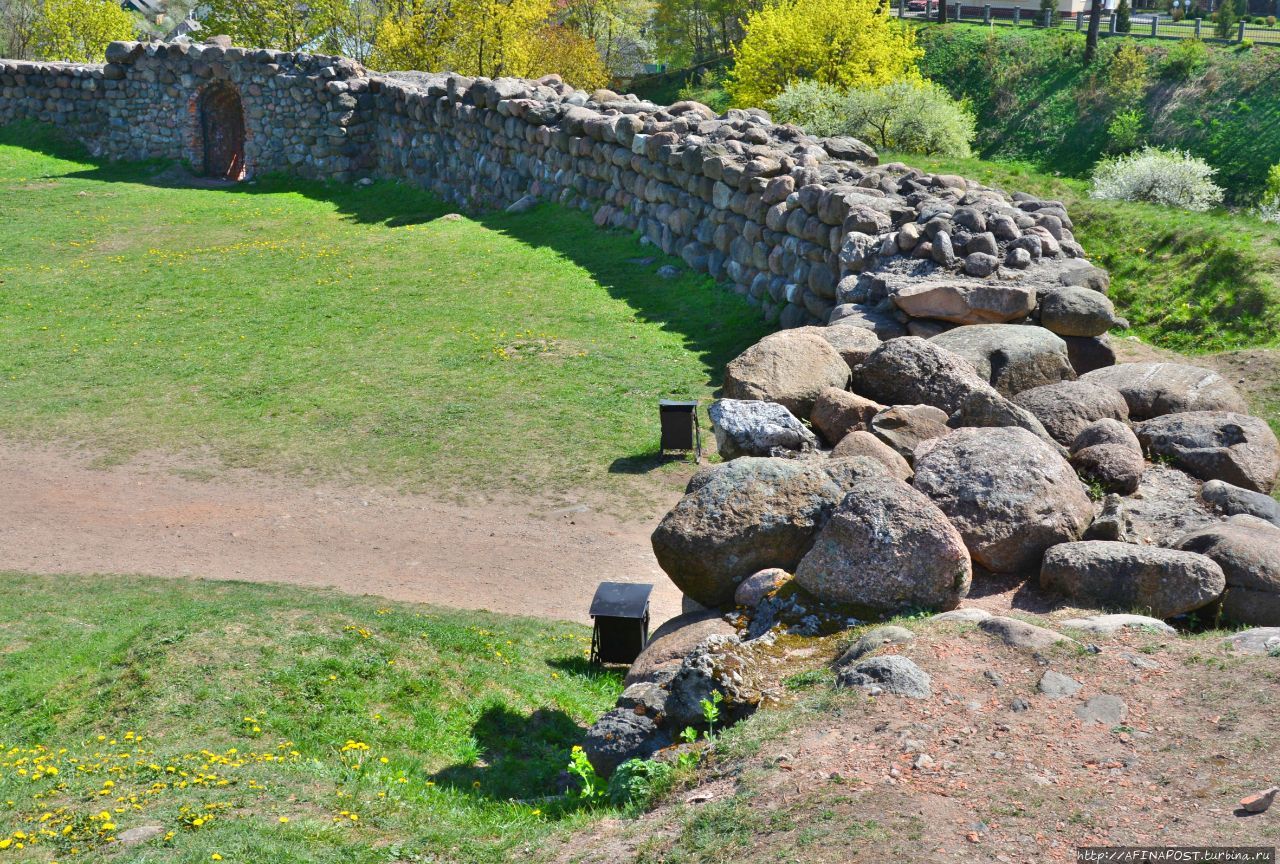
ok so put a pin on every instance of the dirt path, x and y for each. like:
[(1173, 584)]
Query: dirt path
[(60, 515)]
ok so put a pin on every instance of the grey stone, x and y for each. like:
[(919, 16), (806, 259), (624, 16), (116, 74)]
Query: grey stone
[(904, 427), (523, 205), (1233, 501), (1107, 452), (645, 697), (853, 343), (884, 325), (1122, 575), (1166, 506), (1248, 550), (984, 408), (140, 834), (965, 300), (1216, 445), (760, 585), (1107, 625), (1105, 709), (892, 674), (669, 644), (836, 413), (911, 371), (967, 616), (1259, 640), (1020, 634), (886, 549), (865, 444), (1008, 492), (750, 428), (1011, 357), (619, 735), (1067, 407), (1055, 685), (873, 640), (1154, 389), (1075, 311)]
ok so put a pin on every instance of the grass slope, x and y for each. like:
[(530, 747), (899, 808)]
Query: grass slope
[(272, 724), (333, 329)]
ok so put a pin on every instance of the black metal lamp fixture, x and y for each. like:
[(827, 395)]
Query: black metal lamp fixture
[(620, 611), (680, 429)]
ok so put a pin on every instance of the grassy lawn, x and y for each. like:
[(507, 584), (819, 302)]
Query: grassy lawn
[(340, 331), (267, 724)]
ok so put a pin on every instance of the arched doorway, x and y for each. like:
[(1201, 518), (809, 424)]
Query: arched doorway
[(222, 132)]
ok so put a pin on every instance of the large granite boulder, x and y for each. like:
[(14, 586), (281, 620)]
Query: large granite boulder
[(887, 548), (789, 367), (1233, 501), (1010, 494), (913, 371), (619, 735), (882, 324), (745, 427), (965, 301), (839, 412), (1166, 506), (1067, 407), (988, 408), (1011, 357), (1153, 389), (1248, 551), (1124, 576), (749, 514), (1077, 311), (669, 644), (1108, 453), (1216, 445), (903, 427), (859, 443), (853, 343)]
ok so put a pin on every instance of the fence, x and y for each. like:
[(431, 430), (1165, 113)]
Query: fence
[(1149, 26)]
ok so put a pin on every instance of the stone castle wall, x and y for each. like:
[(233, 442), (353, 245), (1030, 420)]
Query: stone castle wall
[(800, 225)]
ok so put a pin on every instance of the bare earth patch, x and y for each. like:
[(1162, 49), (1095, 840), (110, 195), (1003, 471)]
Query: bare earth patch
[(58, 514)]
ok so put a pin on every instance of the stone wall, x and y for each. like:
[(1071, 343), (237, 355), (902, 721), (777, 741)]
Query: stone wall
[(808, 228)]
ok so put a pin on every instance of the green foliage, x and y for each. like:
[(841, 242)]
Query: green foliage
[(1185, 59), (343, 331), (912, 117), (591, 786), (272, 24), (638, 782), (688, 735), (1271, 189), (325, 725), (1124, 132), (692, 32), (711, 711), (1122, 17), (1159, 177), (79, 30), (1225, 20), (841, 43), (709, 90), (1128, 75)]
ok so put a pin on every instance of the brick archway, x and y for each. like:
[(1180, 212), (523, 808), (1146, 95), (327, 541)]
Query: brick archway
[(220, 119)]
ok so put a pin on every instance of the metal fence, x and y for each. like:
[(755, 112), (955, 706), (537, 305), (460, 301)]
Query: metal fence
[(1140, 26)]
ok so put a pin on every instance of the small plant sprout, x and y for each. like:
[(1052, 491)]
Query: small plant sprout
[(711, 711), (593, 786)]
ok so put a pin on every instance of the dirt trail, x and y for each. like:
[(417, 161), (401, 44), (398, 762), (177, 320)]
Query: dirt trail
[(60, 515)]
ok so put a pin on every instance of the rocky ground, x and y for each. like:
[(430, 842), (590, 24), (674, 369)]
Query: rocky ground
[(1017, 754)]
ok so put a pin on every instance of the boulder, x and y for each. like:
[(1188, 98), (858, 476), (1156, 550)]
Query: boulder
[(1108, 453), (1105, 710), (913, 371), (719, 665), (852, 342), (1166, 506), (789, 368), (882, 324), (1233, 501), (836, 413), (1248, 551), (873, 640), (903, 427), (887, 549), (1020, 634), (1077, 311), (1258, 640), (965, 301), (1055, 685), (1009, 493), (746, 427), (1121, 575), (669, 644), (858, 443), (1088, 353), (760, 585), (1153, 389), (1216, 445), (619, 735), (985, 408), (1108, 625), (849, 149), (645, 697), (746, 515), (1067, 407), (891, 674), (1011, 357)]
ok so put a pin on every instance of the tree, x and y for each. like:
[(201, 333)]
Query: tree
[(942, 11), (690, 32), (1122, 17), (844, 43), (79, 30), (286, 25), (1095, 22), (1228, 15), (617, 27), (18, 20)]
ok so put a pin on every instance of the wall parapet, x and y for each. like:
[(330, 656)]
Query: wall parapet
[(808, 228)]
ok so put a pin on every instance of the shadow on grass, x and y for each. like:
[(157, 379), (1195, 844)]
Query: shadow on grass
[(519, 756), (713, 323)]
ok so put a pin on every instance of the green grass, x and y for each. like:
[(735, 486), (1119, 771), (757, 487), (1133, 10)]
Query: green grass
[(1192, 282), (343, 331), (166, 701)]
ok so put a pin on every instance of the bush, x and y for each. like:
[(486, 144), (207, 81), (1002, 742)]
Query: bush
[(1186, 59), (913, 117), (1122, 17), (1157, 176), (1271, 20), (1124, 132), (637, 782), (843, 43)]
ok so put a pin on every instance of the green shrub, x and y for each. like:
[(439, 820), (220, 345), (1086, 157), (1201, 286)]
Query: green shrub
[(1124, 132), (1159, 177), (637, 782), (1185, 59), (908, 117), (1122, 17), (1271, 20)]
